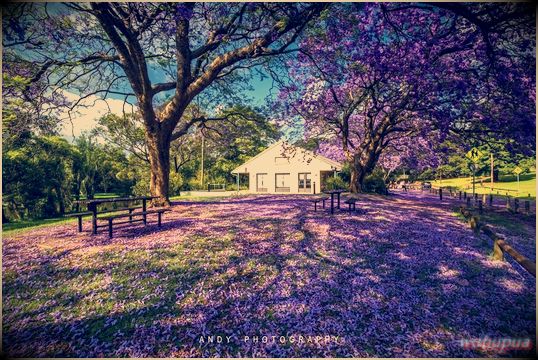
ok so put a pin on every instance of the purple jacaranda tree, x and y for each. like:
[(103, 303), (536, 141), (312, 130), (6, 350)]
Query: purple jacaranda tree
[(116, 49), (370, 75)]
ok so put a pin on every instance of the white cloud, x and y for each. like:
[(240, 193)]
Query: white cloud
[(84, 117)]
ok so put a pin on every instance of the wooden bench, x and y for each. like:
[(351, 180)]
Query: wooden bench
[(79, 215), (351, 202), (130, 209), (319, 199), (111, 218), (86, 213)]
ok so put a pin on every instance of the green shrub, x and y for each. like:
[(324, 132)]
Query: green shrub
[(176, 182), (335, 183), (374, 183)]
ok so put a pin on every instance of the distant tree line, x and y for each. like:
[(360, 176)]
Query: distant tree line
[(44, 173)]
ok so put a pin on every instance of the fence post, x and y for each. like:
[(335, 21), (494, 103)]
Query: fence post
[(484, 199), (490, 199), (527, 207), (497, 251), (460, 195), (468, 202), (314, 185), (508, 202), (473, 221), (516, 205), (441, 194), (480, 206)]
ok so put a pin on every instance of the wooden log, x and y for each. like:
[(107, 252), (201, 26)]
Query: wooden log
[(522, 260), (500, 246)]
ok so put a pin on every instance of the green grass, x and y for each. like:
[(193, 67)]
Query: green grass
[(508, 184), (24, 225), (509, 223), (103, 196)]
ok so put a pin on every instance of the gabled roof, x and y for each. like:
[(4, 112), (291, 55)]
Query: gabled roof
[(278, 143), (234, 171)]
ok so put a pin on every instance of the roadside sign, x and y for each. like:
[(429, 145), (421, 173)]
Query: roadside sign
[(474, 154)]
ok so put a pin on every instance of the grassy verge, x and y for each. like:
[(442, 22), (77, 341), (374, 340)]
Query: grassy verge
[(512, 224), (508, 184)]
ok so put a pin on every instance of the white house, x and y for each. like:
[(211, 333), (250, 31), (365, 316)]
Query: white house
[(285, 168)]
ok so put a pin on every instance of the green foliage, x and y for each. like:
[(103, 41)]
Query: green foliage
[(37, 176), (42, 174), (176, 182), (375, 183), (228, 144), (335, 183)]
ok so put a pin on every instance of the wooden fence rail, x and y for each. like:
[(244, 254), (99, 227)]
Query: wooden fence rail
[(500, 246), (485, 200)]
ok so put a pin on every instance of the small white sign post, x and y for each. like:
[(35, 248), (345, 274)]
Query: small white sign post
[(518, 171)]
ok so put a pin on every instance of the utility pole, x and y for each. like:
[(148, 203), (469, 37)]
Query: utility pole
[(491, 169), (202, 174), (473, 165)]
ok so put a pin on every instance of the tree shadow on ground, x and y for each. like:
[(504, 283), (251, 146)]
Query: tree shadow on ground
[(391, 287)]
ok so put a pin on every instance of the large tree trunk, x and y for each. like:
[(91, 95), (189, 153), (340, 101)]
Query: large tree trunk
[(159, 158), (357, 178), (364, 161)]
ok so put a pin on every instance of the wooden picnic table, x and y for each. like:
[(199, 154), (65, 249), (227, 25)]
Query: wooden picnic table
[(333, 193), (93, 203)]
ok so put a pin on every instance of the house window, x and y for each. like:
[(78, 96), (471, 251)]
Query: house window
[(305, 182), (282, 182), (261, 182)]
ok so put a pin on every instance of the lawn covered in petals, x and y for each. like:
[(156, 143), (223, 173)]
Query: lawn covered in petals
[(403, 276)]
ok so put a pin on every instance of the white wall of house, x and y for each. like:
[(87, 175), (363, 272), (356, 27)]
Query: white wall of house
[(283, 168)]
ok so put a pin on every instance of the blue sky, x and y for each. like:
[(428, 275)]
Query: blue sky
[(262, 88), (86, 119)]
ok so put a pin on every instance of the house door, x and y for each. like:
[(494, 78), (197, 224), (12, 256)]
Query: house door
[(261, 182), (305, 182), (282, 182)]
